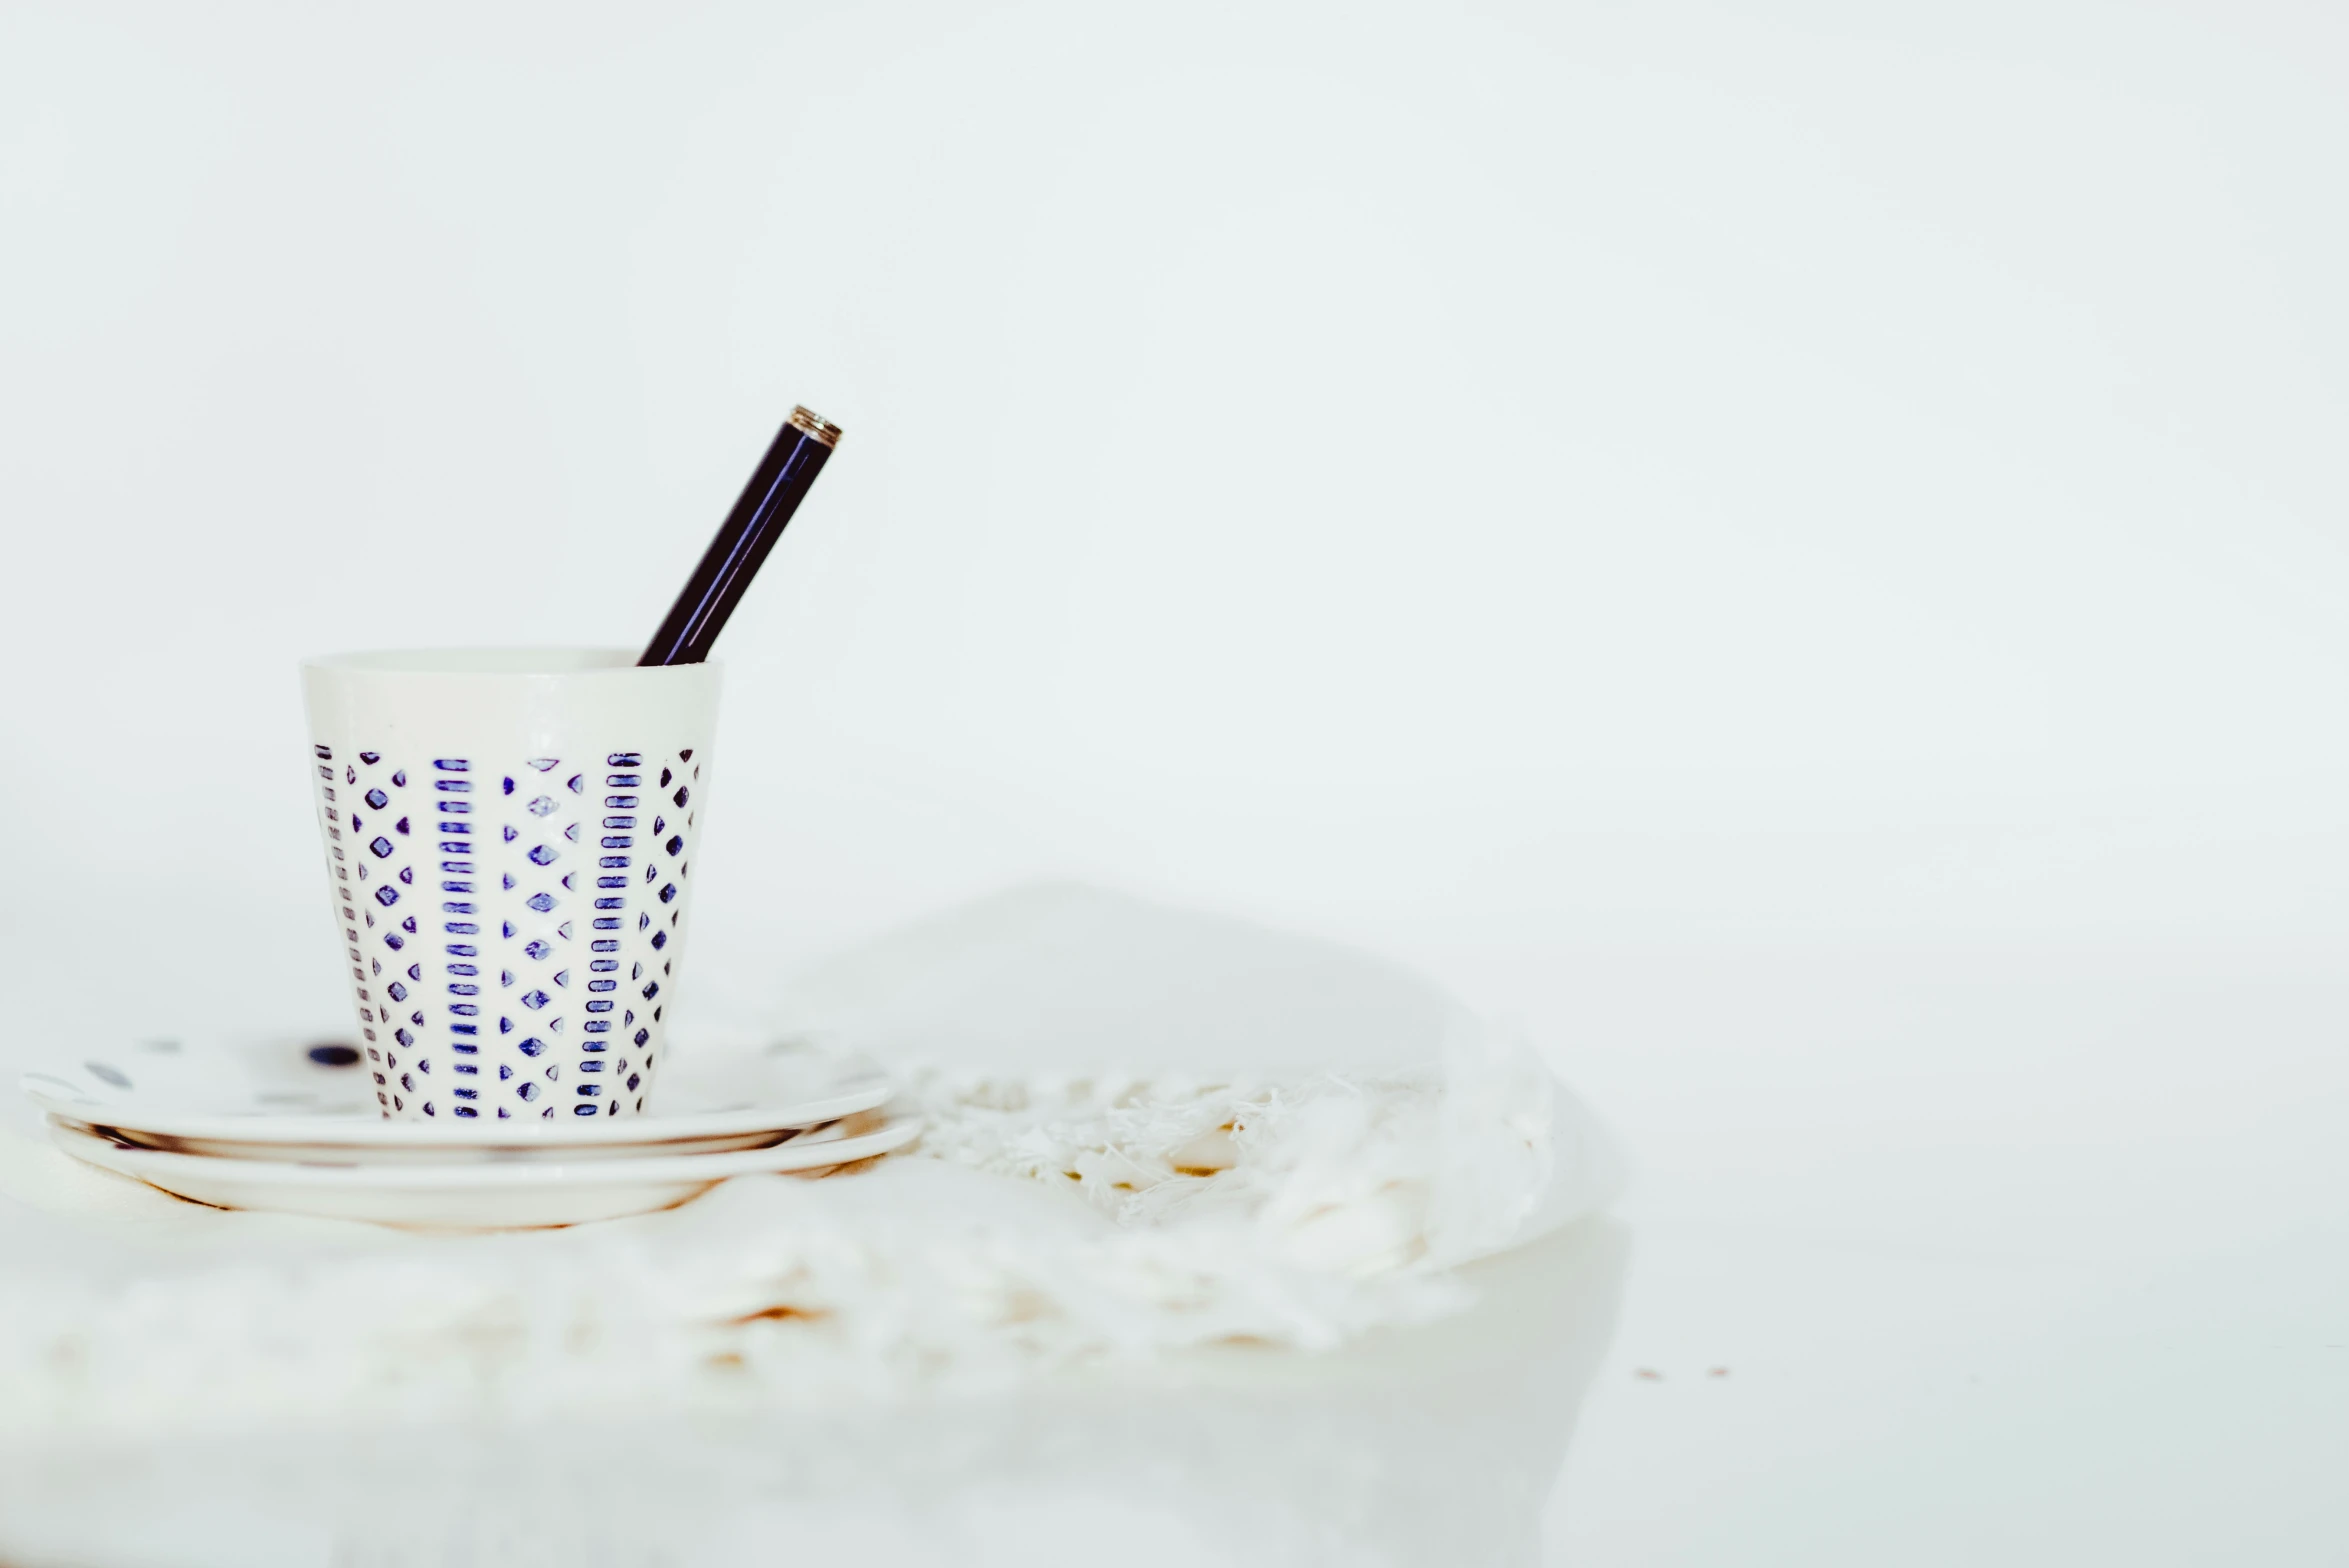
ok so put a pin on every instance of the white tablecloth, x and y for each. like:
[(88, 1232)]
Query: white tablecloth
[(1042, 1265)]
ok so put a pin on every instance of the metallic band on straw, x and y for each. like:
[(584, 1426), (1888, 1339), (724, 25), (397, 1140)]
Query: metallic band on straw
[(816, 425)]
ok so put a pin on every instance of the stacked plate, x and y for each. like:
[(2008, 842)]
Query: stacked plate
[(293, 1127)]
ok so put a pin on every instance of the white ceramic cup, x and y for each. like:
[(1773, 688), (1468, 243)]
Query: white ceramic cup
[(509, 839)]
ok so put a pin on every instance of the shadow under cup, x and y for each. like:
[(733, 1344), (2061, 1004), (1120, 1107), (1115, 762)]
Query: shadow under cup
[(509, 840)]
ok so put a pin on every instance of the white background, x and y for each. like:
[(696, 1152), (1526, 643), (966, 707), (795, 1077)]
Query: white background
[(1796, 550)]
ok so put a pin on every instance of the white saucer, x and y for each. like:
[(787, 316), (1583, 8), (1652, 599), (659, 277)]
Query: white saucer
[(292, 1095), (475, 1195), (346, 1152)]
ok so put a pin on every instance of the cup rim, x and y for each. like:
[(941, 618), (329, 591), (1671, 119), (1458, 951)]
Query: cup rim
[(498, 662)]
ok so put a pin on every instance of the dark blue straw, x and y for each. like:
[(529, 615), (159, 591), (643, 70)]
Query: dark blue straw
[(776, 488)]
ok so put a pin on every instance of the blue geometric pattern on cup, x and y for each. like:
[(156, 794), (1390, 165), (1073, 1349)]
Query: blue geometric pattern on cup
[(509, 926)]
